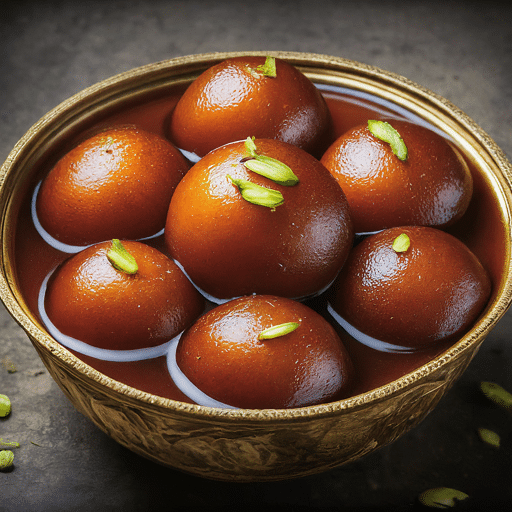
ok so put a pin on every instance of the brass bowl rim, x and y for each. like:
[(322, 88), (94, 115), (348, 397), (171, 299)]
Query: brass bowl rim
[(333, 64)]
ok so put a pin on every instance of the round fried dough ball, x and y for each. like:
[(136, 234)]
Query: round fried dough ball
[(118, 183), (412, 295), (237, 98), (300, 362), (230, 246), (90, 299), (431, 186)]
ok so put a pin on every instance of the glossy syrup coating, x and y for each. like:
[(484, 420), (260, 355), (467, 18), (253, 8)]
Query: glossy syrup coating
[(117, 183), (431, 292), (224, 357), (90, 300), (432, 187), (232, 100), (231, 247)]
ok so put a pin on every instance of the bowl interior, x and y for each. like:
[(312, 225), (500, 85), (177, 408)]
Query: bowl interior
[(485, 228)]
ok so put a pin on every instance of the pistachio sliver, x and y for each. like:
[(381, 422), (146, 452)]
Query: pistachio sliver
[(9, 444), (490, 437), (277, 331), (273, 169), (257, 194), (267, 166), (268, 68), (385, 132), (121, 259), (497, 394), (441, 497), (6, 459), (250, 146), (5, 406), (401, 243)]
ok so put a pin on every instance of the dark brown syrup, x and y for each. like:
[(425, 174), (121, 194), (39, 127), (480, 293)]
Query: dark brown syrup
[(480, 229)]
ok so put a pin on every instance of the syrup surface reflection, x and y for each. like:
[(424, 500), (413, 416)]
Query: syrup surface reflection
[(381, 346), (380, 106), (184, 384)]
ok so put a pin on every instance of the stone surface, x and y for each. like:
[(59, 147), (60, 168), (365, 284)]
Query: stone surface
[(52, 49)]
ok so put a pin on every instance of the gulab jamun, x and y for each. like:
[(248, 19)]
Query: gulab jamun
[(429, 184), (91, 298), (265, 352), (230, 246), (117, 183), (240, 97), (411, 287)]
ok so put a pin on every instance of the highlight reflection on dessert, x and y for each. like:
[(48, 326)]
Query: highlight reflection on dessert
[(257, 294)]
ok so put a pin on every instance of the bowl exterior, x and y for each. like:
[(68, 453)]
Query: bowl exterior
[(242, 448), (248, 445)]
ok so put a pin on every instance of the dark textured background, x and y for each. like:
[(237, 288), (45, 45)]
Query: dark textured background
[(50, 50)]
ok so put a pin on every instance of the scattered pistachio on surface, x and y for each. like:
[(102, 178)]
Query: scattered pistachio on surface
[(6, 459), (441, 497), (489, 436), (5, 406), (9, 444), (497, 394)]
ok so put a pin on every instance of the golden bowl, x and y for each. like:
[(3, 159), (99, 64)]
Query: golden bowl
[(261, 445)]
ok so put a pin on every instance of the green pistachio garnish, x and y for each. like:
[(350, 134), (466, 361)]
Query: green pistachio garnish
[(278, 330), (5, 406), (489, 436), (121, 259), (272, 169), (401, 243), (6, 459), (257, 194), (269, 167), (384, 131), (497, 394), (250, 146), (441, 497), (269, 68)]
